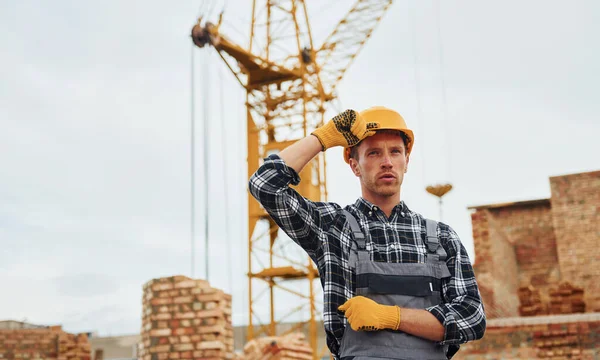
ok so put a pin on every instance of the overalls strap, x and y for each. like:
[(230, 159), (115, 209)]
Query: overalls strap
[(359, 239), (435, 250)]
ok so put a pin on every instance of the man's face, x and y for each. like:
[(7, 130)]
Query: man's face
[(382, 162)]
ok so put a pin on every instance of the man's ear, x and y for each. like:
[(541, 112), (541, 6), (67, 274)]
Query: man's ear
[(354, 166), (407, 161)]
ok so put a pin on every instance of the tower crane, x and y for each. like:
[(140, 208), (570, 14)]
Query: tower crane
[(289, 81)]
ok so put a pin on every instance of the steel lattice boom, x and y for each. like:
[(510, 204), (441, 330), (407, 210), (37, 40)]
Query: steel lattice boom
[(288, 83)]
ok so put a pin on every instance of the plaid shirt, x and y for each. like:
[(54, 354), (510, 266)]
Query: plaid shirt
[(322, 231)]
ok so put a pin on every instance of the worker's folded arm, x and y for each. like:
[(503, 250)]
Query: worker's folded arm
[(461, 312), (302, 220)]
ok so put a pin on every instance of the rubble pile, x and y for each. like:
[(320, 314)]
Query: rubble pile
[(288, 347), (531, 301), (566, 299)]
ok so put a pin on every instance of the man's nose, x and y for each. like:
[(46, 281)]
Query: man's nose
[(386, 161)]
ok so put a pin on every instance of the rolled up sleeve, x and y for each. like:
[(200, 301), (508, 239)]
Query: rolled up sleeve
[(304, 221)]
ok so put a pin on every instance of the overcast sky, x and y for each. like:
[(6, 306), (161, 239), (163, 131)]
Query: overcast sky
[(95, 135)]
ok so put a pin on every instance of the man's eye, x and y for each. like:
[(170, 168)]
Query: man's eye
[(374, 152), (398, 151)]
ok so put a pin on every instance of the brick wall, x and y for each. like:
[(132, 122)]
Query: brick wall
[(515, 245), (484, 264), (550, 248), (506, 274), (540, 243), (576, 219), (46, 343), (530, 230), (541, 337)]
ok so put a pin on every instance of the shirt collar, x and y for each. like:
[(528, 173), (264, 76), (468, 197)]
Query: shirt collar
[(368, 208)]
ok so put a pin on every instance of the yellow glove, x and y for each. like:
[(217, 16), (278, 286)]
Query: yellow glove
[(365, 314), (345, 129)]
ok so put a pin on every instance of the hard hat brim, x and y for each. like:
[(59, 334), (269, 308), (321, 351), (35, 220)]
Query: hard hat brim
[(407, 132)]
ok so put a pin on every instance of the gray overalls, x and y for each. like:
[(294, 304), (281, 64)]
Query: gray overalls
[(409, 285)]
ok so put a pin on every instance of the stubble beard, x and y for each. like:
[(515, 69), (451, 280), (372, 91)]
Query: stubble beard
[(383, 189)]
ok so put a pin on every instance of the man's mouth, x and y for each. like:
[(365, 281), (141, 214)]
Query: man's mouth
[(387, 176)]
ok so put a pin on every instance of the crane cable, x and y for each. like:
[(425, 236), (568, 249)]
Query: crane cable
[(225, 180), (192, 163), (205, 108), (420, 121), (201, 11), (448, 147), (242, 152), (225, 5), (213, 7), (202, 8), (206, 142), (207, 7)]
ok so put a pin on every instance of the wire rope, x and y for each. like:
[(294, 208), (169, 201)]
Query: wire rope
[(420, 120), (448, 145), (225, 166), (206, 137), (192, 163)]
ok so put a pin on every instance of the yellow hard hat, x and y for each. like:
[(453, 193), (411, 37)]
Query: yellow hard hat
[(384, 119)]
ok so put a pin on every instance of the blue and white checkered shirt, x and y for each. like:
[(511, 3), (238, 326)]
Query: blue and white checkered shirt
[(322, 231)]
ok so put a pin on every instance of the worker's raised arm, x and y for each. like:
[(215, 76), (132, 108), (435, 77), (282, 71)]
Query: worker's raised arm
[(303, 220), (301, 152)]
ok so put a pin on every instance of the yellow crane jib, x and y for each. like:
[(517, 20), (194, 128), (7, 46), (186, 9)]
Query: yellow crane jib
[(288, 82)]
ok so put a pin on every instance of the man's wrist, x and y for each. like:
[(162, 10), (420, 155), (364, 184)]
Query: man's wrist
[(390, 317), (320, 141)]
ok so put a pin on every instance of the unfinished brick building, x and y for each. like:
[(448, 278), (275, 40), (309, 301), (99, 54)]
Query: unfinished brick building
[(538, 267)]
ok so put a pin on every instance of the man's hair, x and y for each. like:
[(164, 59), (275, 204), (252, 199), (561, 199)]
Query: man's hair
[(354, 149)]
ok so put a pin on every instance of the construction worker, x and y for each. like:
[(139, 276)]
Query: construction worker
[(396, 285)]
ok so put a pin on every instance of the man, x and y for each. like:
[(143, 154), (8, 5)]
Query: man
[(396, 286)]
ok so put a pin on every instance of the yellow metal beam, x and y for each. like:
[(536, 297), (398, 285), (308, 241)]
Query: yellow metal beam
[(288, 84)]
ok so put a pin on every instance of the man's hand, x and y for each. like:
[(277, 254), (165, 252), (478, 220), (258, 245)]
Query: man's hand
[(365, 314), (345, 129)]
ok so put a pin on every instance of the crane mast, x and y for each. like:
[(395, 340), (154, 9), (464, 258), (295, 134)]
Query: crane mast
[(288, 83)]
